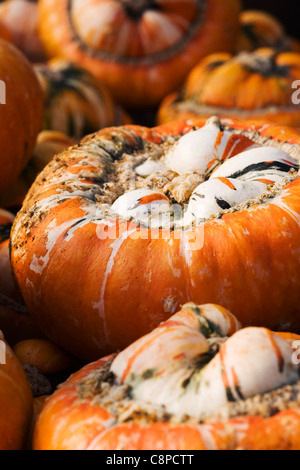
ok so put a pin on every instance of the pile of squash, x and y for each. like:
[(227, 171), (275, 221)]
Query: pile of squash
[(149, 226)]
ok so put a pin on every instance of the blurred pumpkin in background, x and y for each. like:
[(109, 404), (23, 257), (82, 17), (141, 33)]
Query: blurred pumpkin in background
[(15, 320), (261, 29), (4, 33), (42, 354), (20, 17), (76, 102), (251, 85), (142, 49), (48, 144), (289, 15), (16, 402), (21, 113), (46, 365)]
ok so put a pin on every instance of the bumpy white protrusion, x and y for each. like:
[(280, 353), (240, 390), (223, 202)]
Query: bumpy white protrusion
[(218, 194), (199, 150), (166, 373), (149, 167), (160, 352), (177, 340), (145, 206), (189, 315), (253, 361), (268, 163), (194, 151), (233, 179)]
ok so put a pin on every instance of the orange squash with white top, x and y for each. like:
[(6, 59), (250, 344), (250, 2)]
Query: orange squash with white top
[(118, 232), (197, 382)]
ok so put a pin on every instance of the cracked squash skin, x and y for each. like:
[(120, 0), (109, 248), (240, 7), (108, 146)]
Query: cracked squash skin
[(96, 282), (141, 49), (197, 382)]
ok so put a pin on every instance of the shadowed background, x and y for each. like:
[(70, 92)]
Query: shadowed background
[(287, 11)]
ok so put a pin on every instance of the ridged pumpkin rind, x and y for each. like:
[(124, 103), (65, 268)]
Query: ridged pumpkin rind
[(140, 85)]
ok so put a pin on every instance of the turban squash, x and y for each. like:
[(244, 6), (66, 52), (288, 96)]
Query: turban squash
[(20, 18), (75, 102), (254, 85), (197, 382), (120, 230), (15, 402), (21, 115), (142, 49)]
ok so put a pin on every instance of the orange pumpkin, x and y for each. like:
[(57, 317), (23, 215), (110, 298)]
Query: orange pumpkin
[(140, 48), (44, 355), (113, 234), (38, 403), (76, 103), (23, 110), (4, 33), (258, 85), (15, 401), (197, 382), (20, 18), (261, 29), (15, 321)]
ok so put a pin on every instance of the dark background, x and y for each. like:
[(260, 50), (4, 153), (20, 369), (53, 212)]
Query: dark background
[(287, 11)]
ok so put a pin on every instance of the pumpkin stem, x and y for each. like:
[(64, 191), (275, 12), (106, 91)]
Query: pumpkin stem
[(135, 8), (265, 64)]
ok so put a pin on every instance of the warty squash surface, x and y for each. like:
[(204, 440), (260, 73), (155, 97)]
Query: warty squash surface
[(197, 382), (120, 230)]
